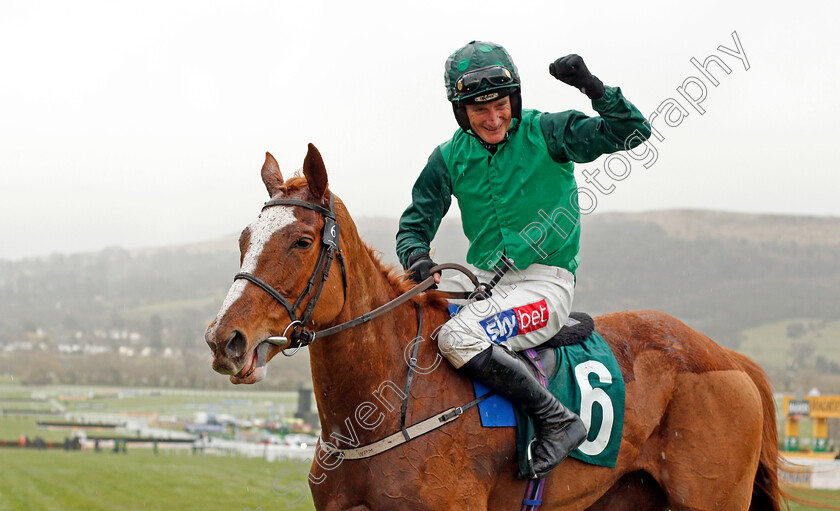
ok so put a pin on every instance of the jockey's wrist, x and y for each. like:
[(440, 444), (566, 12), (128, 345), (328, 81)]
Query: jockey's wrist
[(419, 264), (417, 255)]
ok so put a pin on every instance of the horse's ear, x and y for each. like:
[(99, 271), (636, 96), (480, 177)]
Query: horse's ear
[(271, 175), (315, 172)]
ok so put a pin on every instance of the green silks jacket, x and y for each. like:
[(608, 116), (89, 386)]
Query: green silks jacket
[(521, 201)]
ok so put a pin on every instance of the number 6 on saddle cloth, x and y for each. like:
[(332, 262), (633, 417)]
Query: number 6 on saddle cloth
[(584, 375)]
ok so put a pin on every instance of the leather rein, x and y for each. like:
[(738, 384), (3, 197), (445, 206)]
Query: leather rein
[(299, 335)]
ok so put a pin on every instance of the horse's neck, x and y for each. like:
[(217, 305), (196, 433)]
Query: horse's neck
[(364, 365)]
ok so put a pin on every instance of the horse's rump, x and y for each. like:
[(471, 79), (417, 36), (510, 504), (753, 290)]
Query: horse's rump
[(699, 384)]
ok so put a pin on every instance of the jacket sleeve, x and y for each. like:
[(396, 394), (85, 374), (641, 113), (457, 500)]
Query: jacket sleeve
[(430, 200), (573, 136)]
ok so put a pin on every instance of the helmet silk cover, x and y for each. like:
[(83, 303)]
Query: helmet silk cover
[(481, 72), (480, 61)]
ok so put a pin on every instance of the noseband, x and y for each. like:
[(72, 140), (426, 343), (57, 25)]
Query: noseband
[(299, 335)]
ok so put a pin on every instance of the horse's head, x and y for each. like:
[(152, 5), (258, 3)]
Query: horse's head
[(282, 250)]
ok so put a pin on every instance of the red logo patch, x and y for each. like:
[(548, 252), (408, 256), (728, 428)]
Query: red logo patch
[(532, 317)]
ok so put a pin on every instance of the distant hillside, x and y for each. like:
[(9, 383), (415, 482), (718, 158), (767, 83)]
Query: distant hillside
[(696, 224), (721, 273), (726, 274)]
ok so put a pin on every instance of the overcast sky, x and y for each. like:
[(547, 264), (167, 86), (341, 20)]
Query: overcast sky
[(145, 123)]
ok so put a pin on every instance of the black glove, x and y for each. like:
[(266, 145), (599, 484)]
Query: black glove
[(419, 264), (571, 70)]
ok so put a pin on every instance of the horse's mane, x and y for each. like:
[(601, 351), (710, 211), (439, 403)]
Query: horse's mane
[(401, 283), (395, 276)]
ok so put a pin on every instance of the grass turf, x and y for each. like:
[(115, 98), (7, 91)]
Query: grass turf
[(140, 480), (825, 497), (34, 480)]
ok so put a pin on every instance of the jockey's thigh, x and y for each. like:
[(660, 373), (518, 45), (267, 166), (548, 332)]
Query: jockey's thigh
[(527, 307)]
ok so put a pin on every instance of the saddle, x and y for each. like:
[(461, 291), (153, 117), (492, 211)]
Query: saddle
[(577, 328)]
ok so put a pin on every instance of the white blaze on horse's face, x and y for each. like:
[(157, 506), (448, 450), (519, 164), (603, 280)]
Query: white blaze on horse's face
[(271, 221)]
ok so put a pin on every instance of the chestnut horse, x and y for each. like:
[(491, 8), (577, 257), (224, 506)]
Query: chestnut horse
[(699, 425)]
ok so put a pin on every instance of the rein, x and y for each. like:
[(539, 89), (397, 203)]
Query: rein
[(280, 340), (300, 336)]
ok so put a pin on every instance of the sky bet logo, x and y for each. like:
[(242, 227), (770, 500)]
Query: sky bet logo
[(516, 321)]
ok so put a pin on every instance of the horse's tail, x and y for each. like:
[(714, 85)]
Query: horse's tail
[(767, 496)]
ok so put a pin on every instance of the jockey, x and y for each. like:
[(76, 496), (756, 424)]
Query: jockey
[(512, 172)]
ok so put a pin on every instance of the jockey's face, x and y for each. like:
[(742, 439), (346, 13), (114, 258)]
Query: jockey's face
[(490, 121)]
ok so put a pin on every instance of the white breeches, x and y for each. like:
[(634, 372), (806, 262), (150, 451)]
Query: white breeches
[(527, 307)]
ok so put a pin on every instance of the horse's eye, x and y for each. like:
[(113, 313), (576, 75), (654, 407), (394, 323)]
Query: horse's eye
[(303, 243)]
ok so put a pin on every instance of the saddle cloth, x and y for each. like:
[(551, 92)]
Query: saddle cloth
[(497, 411), (585, 378)]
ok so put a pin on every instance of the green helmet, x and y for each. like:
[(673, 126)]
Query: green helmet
[(479, 72)]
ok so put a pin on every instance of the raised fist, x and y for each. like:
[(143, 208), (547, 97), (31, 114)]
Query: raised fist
[(572, 70)]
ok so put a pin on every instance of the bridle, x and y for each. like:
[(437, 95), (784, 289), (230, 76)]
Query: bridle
[(299, 335)]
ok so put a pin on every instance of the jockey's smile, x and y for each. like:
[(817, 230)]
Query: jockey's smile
[(490, 121)]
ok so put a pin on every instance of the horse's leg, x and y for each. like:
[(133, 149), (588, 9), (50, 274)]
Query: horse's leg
[(704, 461)]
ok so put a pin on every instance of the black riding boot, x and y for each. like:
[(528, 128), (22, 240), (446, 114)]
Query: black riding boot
[(559, 431)]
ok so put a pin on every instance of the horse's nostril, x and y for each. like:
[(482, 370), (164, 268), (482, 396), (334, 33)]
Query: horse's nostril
[(213, 345), (236, 344)]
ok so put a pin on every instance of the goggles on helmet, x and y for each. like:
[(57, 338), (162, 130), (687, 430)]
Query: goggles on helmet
[(493, 76)]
